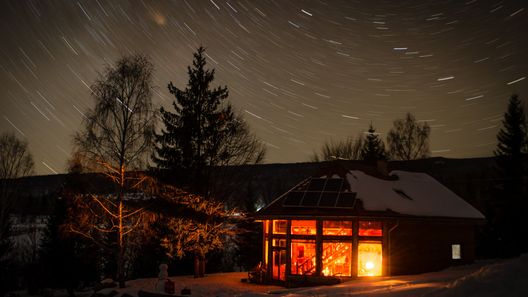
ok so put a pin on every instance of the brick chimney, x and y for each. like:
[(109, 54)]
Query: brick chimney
[(382, 167)]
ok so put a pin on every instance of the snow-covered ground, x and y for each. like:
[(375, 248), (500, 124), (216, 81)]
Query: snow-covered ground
[(218, 284), (483, 279)]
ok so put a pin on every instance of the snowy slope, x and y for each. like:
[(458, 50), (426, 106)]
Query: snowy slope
[(508, 278), (412, 194), (484, 279)]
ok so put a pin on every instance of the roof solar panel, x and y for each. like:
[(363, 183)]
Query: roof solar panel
[(328, 199), (293, 199), (311, 199), (316, 184), (346, 199), (333, 184)]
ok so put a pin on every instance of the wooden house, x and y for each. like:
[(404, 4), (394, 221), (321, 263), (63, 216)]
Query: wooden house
[(359, 220)]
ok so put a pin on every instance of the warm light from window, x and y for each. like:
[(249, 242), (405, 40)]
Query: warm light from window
[(279, 227), (369, 265), (369, 259), (370, 228), (265, 253), (336, 258), (304, 227), (455, 252), (341, 228), (303, 258)]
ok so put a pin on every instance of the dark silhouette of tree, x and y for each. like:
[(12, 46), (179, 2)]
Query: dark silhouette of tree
[(510, 208), (116, 140), (66, 260), (373, 147), (408, 139), (512, 137), (15, 162), (348, 149), (203, 131)]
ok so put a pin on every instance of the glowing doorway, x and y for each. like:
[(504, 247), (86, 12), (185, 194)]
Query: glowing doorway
[(369, 259)]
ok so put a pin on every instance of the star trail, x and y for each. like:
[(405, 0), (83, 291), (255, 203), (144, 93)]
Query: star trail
[(301, 72)]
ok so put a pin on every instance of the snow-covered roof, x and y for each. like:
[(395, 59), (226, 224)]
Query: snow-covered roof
[(366, 192), (411, 193)]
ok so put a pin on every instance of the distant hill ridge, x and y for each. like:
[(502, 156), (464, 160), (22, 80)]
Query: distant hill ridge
[(470, 178)]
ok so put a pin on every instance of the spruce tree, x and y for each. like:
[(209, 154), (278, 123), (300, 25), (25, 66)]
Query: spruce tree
[(203, 131), (512, 137), (373, 147), (510, 206)]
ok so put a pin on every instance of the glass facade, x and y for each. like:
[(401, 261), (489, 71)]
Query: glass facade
[(279, 264), (303, 227), (323, 247), (337, 257), (370, 228), (369, 259), (340, 228), (303, 259), (279, 226)]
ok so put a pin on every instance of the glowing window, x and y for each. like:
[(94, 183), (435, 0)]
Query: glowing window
[(265, 226), (369, 259), (279, 264), (336, 258), (279, 227), (370, 228), (303, 227), (302, 257), (266, 253), (455, 252), (342, 228), (279, 242)]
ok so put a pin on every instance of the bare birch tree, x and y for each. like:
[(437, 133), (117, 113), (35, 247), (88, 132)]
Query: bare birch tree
[(116, 140), (408, 139), (348, 149)]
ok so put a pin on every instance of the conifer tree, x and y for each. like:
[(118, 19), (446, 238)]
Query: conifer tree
[(512, 137), (203, 131), (512, 203), (373, 147)]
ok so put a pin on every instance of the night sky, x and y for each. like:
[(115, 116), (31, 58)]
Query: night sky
[(301, 72)]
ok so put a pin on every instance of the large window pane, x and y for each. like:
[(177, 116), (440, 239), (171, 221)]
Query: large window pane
[(279, 243), (370, 228), (343, 228), (279, 264), (369, 259), (336, 258), (265, 227), (303, 227), (302, 257), (266, 253), (279, 226)]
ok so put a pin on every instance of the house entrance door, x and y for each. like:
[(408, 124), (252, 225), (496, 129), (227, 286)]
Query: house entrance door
[(279, 263)]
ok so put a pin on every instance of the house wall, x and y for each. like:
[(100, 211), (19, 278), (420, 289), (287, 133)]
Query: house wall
[(421, 246)]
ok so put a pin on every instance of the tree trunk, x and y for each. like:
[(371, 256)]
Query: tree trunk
[(120, 251), (202, 266), (120, 231), (196, 266)]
